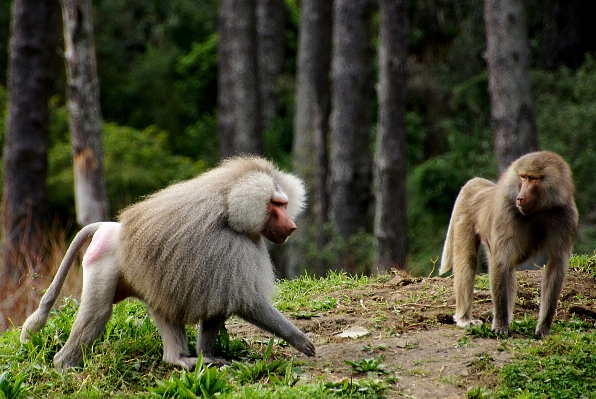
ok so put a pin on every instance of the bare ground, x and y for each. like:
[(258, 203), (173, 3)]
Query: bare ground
[(408, 321)]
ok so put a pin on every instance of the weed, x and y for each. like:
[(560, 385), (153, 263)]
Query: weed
[(368, 348), (371, 366), (277, 371), (321, 305), (482, 331), (368, 388), (478, 393), (483, 362), (205, 381), (230, 348), (11, 386), (463, 342)]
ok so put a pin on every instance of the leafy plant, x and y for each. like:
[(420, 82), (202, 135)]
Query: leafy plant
[(368, 348), (230, 348), (11, 387), (367, 388), (204, 381), (327, 303), (278, 371), (372, 366)]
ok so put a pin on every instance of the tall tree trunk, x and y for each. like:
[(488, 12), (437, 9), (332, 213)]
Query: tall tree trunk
[(30, 84), (350, 171), (225, 83), (567, 34), (84, 112), (271, 18), (512, 114), (390, 162), (311, 125), (238, 91)]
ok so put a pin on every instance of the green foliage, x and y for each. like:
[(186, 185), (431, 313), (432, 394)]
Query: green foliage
[(230, 348), (203, 382), (365, 389), (140, 45), (585, 263), (369, 366), (136, 163), (11, 386), (298, 293), (566, 112), (561, 366), (278, 371), (357, 251)]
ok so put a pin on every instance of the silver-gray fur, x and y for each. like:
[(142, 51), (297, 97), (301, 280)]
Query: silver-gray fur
[(37, 319), (192, 252)]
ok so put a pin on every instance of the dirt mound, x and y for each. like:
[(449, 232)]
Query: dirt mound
[(408, 322)]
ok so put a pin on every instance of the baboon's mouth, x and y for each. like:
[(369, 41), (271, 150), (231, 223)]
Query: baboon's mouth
[(526, 210)]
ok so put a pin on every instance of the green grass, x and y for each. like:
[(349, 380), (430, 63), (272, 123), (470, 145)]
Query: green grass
[(125, 362), (295, 295), (562, 365)]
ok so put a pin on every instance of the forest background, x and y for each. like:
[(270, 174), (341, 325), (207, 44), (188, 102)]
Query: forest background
[(158, 73)]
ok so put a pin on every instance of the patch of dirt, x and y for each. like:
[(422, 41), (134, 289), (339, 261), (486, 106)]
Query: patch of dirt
[(409, 323)]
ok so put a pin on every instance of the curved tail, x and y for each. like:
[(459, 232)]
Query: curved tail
[(37, 319), (447, 258)]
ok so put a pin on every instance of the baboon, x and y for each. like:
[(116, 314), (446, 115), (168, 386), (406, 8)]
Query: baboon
[(529, 210), (191, 252)]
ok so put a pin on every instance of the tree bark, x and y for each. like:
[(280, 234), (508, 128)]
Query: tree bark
[(390, 163), (225, 83), (271, 18), (84, 112), (350, 171), (512, 114), (30, 84), (238, 90), (311, 126)]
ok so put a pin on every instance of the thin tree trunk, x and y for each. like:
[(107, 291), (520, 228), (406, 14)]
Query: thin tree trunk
[(30, 84), (271, 18), (225, 83), (84, 112), (350, 171), (390, 165), (512, 114), (239, 90), (311, 124)]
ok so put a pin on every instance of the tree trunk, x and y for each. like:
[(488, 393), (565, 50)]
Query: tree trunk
[(84, 112), (271, 18), (311, 126), (30, 84), (238, 91), (567, 33), (350, 171), (390, 167), (512, 114)]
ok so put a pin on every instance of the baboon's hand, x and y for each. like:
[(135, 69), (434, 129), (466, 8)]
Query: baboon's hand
[(304, 345)]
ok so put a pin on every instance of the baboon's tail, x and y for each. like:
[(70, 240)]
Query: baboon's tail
[(447, 257), (37, 319)]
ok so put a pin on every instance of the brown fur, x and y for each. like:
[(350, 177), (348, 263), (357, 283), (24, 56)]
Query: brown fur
[(192, 252), (491, 214)]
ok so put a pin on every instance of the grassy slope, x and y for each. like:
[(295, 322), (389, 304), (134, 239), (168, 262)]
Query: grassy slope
[(126, 360)]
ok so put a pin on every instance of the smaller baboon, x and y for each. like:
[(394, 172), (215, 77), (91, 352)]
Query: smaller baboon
[(529, 210), (191, 252)]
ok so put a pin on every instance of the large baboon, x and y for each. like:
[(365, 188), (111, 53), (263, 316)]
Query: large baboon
[(528, 211), (192, 252)]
